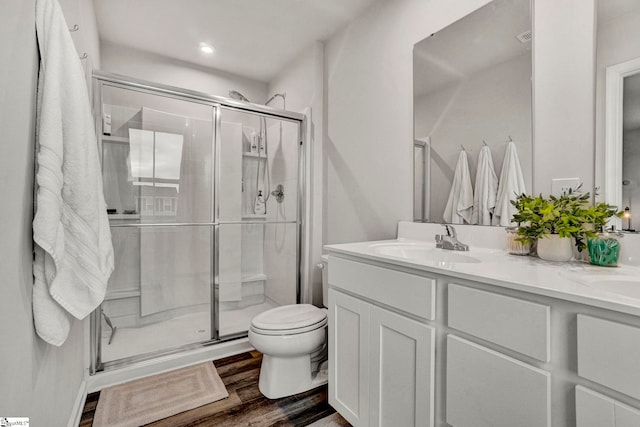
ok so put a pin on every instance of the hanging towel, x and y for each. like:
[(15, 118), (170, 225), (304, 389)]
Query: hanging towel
[(460, 204), (73, 252), (510, 186), (484, 196)]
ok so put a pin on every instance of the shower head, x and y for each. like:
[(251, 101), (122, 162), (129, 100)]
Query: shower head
[(234, 94), (281, 95)]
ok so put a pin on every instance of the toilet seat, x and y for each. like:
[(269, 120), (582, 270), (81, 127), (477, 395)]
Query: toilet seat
[(289, 320)]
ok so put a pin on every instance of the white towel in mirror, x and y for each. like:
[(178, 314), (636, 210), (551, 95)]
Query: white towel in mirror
[(510, 186), (460, 204), (484, 196)]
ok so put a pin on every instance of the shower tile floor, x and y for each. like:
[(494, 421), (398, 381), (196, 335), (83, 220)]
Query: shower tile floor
[(176, 332)]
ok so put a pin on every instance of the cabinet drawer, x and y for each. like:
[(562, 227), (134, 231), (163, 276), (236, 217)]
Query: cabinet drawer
[(406, 292), (596, 410), (488, 389), (513, 323), (609, 354)]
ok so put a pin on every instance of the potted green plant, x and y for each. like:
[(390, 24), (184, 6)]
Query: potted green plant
[(553, 221)]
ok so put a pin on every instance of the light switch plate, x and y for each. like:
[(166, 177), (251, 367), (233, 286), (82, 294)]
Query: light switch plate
[(563, 185)]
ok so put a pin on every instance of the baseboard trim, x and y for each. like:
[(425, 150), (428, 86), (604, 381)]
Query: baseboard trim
[(168, 363), (78, 405)]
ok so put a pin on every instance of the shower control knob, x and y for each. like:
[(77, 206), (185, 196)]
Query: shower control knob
[(278, 193)]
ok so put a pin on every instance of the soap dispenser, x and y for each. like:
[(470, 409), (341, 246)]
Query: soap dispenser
[(259, 208)]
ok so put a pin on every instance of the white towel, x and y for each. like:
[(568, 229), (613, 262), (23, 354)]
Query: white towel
[(510, 186), (484, 196), (73, 252), (460, 204)]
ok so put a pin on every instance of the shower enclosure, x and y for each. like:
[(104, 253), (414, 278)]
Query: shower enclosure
[(204, 198)]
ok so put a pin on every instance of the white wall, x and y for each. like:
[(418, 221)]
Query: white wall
[(86, 39), (492, 105), (303, 82), (564, 90), (159, 69), (369, 129), (39, 381)]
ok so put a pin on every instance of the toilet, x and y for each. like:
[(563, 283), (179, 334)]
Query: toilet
[(293, 342)]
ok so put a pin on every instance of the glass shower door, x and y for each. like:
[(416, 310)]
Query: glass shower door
[(258, 217), (157, 162)]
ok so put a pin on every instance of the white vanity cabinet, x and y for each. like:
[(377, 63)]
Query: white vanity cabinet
[(400, 370), (596, 410), (430, 346), (609, 354), (488, 389), (349, 357), (381, 360)]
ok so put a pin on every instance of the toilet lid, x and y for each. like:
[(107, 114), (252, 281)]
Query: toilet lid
[(294, 316)]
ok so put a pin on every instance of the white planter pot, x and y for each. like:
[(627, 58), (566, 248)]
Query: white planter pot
[(555, 248)]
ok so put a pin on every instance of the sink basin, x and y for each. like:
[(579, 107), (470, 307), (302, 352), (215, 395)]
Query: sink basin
[(421, 252)]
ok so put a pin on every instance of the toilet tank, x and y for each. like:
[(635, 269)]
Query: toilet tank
[(325, 279)]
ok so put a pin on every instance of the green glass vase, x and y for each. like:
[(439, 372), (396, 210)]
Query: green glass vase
[(604, 251)]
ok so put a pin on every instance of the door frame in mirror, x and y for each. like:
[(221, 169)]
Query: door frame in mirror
[(614, 91), (423, 146)]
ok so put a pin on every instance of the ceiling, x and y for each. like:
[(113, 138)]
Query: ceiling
[(252, 38)]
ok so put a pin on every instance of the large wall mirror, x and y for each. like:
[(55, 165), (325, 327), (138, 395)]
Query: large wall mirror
[(472, 89), (618, 106)]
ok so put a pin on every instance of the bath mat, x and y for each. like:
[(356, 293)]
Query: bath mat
[(149, 399), (333, 420)]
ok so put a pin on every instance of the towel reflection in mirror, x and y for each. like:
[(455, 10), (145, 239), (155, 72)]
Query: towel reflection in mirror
[(489, 203)]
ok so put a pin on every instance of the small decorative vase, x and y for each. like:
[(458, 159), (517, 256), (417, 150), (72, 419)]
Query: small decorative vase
[(604, 250), (515, 247), (555, 248)]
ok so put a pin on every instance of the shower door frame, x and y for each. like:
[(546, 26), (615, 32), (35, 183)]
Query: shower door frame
[(218, 104)]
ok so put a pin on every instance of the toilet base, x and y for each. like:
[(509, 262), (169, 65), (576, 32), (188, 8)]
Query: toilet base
[(286, 376)]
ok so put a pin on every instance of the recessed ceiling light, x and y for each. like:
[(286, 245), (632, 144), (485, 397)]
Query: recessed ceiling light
[(206, 48)]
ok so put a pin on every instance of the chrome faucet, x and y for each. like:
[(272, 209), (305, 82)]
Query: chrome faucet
[(450, 241)]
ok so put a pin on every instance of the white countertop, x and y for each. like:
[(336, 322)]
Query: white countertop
[(570, 281)]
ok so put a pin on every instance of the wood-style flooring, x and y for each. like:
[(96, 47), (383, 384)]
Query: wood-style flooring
[(245, 406)]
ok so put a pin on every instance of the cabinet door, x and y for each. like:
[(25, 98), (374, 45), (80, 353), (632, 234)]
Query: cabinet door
[(488, 389), (596, 410), (401, 366), (608, 353), (349, 357)]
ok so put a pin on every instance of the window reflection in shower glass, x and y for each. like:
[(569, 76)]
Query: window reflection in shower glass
[(154, 162), (156, 158)]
